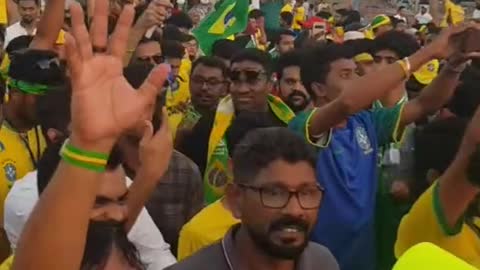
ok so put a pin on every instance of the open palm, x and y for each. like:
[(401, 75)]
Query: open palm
[(104, 104)]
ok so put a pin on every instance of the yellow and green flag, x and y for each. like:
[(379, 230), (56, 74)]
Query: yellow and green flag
[(230, 18)]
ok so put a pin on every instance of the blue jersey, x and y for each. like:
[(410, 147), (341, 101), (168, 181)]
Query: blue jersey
[(347, 169)]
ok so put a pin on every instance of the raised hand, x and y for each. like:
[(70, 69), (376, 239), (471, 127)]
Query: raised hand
[(156, 149), (104, 104), (448, 42)]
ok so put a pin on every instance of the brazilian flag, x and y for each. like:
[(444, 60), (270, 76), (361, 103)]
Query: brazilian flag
[(230, 18)]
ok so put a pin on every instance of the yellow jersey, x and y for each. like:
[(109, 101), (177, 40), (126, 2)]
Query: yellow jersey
[(455, 12), (426, 223), (207, 227), (177, 98), (298, 15)]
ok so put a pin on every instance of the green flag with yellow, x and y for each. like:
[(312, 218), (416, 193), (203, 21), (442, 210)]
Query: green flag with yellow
[(230, 18)]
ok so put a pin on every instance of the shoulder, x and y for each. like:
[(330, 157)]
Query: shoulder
[(316, 254), (210, 258)]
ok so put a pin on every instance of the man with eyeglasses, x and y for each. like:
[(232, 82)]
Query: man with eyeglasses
[(276, 196)]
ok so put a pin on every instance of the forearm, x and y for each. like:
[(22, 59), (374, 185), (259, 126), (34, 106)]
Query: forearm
[(60, 227), (135, 35), (139, 193), (359, 94), (49, 26), (439, 92), (362, 92), (12, 12), (456, 191)]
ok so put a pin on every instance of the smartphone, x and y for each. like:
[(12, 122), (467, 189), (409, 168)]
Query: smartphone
[(319, 29)]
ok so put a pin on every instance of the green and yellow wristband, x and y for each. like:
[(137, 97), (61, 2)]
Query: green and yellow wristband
[(28, 88), (91, 161)]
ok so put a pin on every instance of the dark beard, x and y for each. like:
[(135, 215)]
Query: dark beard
[(263, 242), (102, 238), (295, 106)]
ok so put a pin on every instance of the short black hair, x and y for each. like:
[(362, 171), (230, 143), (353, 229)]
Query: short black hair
[(282, 32), (289, 59), (181, 20), (316, 63), (466, 98), (171, 32), (37, 66), (263, 146), (243, 123), (254, 55), (53, 109), (401, 43), (225, 48), (324, 15), (400, 8), (255, 14), (359, 46), (37, 2), (212, 62), (287, 17), (172, 49), (436, 145), (18, 43)]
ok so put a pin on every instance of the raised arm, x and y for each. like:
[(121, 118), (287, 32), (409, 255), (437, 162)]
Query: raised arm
[(154, 15), (461, 182), (360, 93), (104, 106), (49, 26), (155, 152)]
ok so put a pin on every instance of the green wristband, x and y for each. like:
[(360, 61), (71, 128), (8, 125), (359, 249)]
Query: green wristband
[(83, 165), (84, 152)]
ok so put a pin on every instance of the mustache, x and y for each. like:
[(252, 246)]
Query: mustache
[(298, 93), (289, 221)]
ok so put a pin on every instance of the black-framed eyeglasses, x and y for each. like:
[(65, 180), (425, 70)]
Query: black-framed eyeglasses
[(157, 59), (277, 198), (249, 76), (211, 83)]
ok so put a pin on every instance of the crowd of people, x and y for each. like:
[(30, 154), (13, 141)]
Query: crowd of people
[(137, 135)]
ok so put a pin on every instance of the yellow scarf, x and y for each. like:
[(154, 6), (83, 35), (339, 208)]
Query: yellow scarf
[(217, 174)]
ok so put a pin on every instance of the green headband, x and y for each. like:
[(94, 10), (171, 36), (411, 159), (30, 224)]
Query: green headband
[(28, 88)]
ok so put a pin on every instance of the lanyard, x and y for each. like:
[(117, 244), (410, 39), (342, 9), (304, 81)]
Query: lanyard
[(24, 139)]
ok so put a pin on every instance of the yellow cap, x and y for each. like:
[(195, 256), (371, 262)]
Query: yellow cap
[(60, 38), (428, 256), (363, 57), (427, 72)]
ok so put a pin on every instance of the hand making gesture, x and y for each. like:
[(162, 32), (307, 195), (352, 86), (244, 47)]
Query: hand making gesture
[(104, 104)]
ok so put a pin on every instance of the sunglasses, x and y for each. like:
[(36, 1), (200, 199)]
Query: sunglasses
[(157, 59), (248, 76)]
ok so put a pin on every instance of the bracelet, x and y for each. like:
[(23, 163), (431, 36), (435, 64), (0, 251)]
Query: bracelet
[(406, 67), (91, 161)]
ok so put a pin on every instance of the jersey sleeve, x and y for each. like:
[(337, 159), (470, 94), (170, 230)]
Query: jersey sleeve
[(387, 121), (300, 126), (426, 222)]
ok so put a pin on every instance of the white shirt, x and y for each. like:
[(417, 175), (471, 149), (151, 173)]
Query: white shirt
[(15, 30), (23, 196), (476, 14), (423, 18)]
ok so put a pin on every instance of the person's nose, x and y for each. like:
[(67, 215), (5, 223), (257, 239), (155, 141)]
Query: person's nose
[(293, 208)]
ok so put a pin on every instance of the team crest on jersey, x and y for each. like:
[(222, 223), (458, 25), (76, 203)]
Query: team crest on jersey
[(363, 140), (431, 67), (10, 172)]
